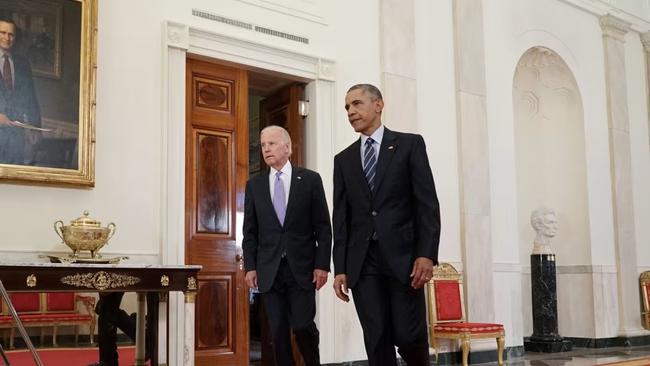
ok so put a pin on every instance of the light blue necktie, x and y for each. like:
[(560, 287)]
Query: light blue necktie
[(370, 163), (279, 198)]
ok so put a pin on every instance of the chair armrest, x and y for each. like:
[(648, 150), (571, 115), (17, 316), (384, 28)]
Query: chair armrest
[(88, 301)]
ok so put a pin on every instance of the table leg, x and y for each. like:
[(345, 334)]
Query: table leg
[(162, 328), (188, 348), (140, 330)]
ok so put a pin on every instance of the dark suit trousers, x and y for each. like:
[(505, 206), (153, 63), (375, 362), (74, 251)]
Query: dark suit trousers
[(288, 305), (391, 314), (112, 317)]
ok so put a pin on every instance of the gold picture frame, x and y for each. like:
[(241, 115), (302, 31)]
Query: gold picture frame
[(59, 147)]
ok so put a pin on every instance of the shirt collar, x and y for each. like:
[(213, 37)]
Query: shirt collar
[(377, 136), (286, 170)]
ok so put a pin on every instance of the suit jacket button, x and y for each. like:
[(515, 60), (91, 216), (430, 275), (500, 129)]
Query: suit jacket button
[(374, 213)]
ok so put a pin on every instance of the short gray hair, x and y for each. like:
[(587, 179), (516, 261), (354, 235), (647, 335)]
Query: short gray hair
[(370, 89), (283, 133)]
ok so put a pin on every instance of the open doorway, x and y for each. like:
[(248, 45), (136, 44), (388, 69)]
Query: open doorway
[(272, 100)]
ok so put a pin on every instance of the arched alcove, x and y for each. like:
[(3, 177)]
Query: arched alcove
[(551, 171)]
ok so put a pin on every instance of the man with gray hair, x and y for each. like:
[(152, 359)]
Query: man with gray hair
[(287, 243)]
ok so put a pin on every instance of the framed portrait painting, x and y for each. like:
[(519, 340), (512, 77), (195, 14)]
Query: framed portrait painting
[(47, 91)]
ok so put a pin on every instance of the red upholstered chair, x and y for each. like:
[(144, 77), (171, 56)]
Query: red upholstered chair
[(644, 283), (61, 308), (447, 313)]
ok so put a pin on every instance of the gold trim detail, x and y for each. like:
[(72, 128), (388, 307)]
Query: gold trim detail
[(31, 280), (190, 297), (164, 280), (100, 280), (191, 283)]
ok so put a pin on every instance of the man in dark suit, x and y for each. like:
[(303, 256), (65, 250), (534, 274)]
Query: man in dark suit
[(287, 243), (386, 231), (18, 100)]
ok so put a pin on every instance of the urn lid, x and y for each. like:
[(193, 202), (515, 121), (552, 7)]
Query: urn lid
[(85, 220)]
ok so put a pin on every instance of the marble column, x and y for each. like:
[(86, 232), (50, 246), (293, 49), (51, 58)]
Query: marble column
[(614, 31), (474, 159), (546, 337), (645, 40), (398, 64)]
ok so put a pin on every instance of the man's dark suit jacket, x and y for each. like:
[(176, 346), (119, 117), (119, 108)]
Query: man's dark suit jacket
[(402, 212), (306, 235), (20, 104)]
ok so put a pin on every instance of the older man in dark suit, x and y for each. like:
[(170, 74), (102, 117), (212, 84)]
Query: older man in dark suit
[(386, 231), (287, 243), (18, 100)]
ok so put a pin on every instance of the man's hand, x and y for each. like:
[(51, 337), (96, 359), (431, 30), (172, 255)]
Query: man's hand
[(251, 279), (320, 278), (422, 272), (341, 287)]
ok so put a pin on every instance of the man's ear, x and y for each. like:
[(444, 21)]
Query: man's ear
[(379, 106)]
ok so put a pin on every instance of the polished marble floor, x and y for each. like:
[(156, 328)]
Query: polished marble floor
[(578, 357)]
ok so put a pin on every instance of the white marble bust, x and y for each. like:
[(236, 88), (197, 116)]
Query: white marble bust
[(544, 221)]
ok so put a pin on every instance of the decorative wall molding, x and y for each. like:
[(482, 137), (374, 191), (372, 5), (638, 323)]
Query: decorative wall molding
[(645, 40), (308, 11), (177, 35), (228, 48), (614, 27), (599, 8)]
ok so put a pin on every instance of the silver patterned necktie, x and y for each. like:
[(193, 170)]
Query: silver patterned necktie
[(370, 163), (279, 198)]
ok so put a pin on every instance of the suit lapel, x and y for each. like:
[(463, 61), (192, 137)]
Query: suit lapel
[(386, 153), (266, 193), (357, 168), (294, 191)]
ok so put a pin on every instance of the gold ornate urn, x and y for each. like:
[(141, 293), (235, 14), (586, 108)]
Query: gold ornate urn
[(84, 233)]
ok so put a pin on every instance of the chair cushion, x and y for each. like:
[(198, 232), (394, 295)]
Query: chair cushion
[(60, 301), (467, 328), (26, 302), (448, 301)]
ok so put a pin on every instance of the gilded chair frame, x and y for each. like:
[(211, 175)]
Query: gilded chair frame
[(644, 284), (447, 272)]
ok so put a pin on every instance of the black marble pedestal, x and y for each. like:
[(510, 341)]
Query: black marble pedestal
[(545, 336)]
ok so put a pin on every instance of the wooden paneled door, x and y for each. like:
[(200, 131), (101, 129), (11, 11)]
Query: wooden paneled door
[(215, 178)]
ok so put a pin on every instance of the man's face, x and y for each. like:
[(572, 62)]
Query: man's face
[(7, 36), (549, 225), (364, 113), (275, 149)]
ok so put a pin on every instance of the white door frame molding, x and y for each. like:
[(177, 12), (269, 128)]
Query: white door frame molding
[(181, 40)]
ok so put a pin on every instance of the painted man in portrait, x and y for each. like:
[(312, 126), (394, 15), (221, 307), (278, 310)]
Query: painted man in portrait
[(18, 101)]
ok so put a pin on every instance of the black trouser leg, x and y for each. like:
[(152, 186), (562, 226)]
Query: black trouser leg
[(409, 323), (371, 302), (302, 312), (108, 309), (391, 313), (277, 309), (289, 305)]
